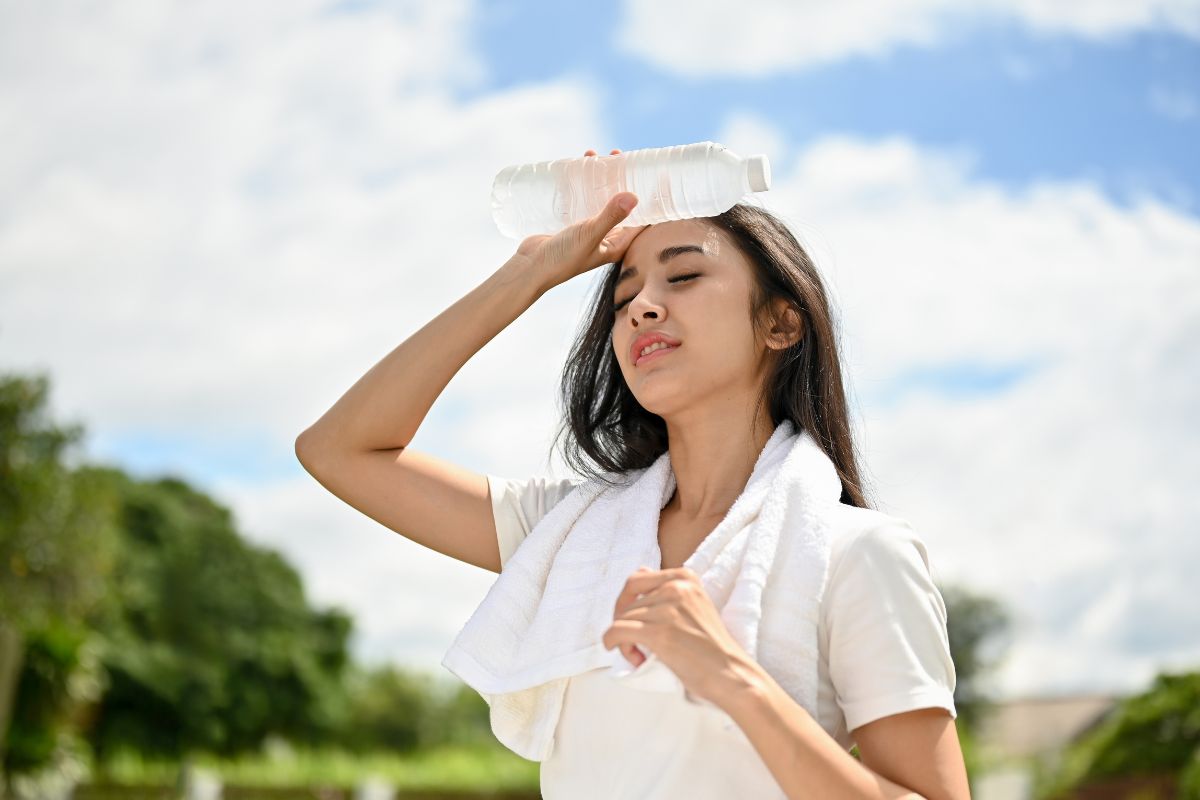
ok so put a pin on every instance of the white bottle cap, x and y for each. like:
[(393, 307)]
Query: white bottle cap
[(758, 169)]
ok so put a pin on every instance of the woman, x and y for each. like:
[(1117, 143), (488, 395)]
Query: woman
[(741, 350)]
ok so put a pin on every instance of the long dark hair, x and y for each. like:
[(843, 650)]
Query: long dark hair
[(609, 431)]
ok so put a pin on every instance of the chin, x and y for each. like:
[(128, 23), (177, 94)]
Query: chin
[(659, 401)]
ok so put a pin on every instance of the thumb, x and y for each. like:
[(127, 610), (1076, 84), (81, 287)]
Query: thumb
[(618, 208)]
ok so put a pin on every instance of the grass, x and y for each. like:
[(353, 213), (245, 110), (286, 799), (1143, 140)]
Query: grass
[(452, 768)]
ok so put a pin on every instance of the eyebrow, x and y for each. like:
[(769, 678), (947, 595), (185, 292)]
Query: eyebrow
[(666, 255)]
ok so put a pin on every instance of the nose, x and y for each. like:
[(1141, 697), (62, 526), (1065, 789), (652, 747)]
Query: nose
[(642, 306)]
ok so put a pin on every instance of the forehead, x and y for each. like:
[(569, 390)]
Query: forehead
[(645, 246)]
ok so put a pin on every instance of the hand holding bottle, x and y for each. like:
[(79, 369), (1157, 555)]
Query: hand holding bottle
[(582, 246)]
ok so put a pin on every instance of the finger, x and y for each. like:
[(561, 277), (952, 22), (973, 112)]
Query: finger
[(646, 608), (632, 654), (627, 598), (642, 600), (612, 214), (641, 581), (623, 237), (621, 636)]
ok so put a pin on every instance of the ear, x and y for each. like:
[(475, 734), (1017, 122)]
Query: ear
[(788, 325)]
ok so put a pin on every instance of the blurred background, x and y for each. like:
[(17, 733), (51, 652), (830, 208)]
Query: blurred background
[(215, 217)]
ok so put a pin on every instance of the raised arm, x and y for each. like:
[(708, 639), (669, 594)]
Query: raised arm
[(358, 449)]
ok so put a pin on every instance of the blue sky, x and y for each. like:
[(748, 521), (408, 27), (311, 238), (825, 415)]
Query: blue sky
[(1028, 105), (213, 221)]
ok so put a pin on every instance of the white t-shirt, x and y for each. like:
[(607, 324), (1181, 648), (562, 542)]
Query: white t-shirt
[(883, 649)]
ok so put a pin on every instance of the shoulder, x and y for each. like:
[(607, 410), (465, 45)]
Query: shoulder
[(883, 628), (542, 489), (876, 559), (518, 504), (860, 532)]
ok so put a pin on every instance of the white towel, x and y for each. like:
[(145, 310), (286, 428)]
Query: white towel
[(543, 618)]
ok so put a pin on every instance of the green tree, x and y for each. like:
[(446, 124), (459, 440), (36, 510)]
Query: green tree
[(390, 708), (52, 656), (1156, 732), (979, 631), (57, 546), (464, 718), (209, 641)]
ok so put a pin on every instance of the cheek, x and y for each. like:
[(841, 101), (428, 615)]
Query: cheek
[(620, 352), (727, 341)]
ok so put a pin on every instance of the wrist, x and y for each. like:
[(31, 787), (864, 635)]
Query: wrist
[(742, 683), (522, 270)]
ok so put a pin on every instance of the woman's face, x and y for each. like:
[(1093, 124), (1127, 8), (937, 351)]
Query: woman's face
[(698, 297)]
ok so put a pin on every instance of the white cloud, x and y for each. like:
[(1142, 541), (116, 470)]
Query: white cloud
[(769, 36), (1100, 19), (192, 230), (750, 135)]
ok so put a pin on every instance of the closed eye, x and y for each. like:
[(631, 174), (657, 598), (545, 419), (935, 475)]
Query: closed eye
[(676, 279)]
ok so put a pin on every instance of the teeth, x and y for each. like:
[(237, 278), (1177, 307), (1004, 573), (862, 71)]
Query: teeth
[(651, 348)]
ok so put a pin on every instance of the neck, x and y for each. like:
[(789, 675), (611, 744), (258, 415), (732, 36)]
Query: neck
[(712, 463)]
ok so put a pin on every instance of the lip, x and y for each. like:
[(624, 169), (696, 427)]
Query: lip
[(660, 352), (647, 339)]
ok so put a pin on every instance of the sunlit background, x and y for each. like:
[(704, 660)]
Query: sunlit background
[(215, 216)]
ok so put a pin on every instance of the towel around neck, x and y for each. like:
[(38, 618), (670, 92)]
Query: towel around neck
[(542, 620)]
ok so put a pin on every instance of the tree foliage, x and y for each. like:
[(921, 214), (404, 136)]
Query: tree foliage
[(200, 639), (52, 656), (978, 629), (1152, 733), (209, 641), (58, 543), (402, 710)]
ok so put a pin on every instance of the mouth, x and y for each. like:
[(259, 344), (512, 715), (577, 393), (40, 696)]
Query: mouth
[(651, 339), (662, 351)]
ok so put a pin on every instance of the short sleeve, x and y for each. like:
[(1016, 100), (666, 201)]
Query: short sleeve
[(889, 650), (519, 504)]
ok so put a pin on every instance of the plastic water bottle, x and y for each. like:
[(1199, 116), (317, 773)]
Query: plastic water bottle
[(678, 182)]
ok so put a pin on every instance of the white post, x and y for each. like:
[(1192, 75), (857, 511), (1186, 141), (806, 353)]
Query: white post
[(200, 784), (374, 788)]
